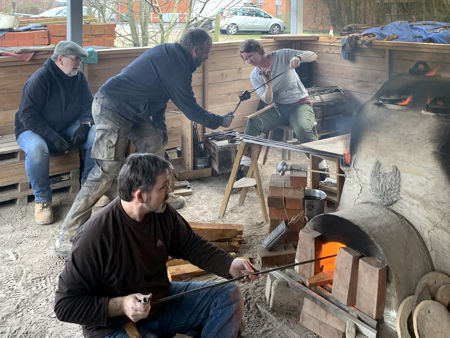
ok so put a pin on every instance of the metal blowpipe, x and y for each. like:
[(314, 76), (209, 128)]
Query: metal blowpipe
[(181, 294)]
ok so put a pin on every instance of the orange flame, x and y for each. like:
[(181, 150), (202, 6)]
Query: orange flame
[(347, 157), (329, 248), (406, 102), (432, 72)]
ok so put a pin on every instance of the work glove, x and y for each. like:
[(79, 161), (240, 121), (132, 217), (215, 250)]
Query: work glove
[(227, 119), (80, 135), (59, 146)]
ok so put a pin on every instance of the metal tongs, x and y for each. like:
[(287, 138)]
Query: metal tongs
[(246, 94)]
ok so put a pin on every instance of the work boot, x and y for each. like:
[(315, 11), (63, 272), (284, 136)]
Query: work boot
[(102, 202), (63, 247), (176, 201), (43, 213)]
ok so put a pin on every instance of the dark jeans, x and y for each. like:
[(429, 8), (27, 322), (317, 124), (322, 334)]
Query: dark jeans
[(215, 312)]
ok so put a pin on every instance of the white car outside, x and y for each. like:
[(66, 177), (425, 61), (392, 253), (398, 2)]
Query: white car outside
[(250, 19)]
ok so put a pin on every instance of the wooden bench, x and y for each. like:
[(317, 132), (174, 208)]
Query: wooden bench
[(14, 185)]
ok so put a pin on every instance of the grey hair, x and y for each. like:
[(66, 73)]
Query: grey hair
[(140, 171), (54, 57), (195, 37)]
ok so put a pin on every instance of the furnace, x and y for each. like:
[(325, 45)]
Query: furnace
[(393, 218)]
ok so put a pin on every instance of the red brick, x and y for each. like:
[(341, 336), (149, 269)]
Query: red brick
[(279, 181), (275, 201), (346, 276), (294, 198), (281, 254), (40, 38), (309, 246), (298, 179), (320, 321), (371, 290)]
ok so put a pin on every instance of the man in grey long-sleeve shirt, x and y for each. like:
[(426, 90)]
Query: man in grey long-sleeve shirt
[(131, 106), (119, 258)]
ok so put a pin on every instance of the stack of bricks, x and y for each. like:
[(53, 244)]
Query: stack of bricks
[(358, 282), (93, 34), (286, 203), (31, 38)]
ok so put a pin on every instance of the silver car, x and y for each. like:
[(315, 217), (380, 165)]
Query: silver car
[(250, 19)]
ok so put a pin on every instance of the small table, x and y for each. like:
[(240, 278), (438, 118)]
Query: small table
[(336, 148)]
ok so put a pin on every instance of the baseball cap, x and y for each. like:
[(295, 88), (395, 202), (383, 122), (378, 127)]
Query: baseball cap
[(69, 48)]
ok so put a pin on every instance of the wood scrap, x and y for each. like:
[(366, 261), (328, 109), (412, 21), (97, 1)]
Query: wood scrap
[(322, 278), (184, 271), (431, 319), (217, 232)]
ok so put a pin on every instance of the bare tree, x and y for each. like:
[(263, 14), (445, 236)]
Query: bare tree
[(149, 22)]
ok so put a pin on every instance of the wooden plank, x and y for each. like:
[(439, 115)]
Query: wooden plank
[(184, 271), (363, 327), (371, 287), (322, 278), (346, 276), (337, 145), (182, 174), (215, 232)]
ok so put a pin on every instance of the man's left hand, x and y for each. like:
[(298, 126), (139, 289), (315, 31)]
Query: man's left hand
[(240, 267), (80, 135)]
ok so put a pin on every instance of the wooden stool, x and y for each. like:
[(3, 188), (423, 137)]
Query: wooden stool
[(288, 135)]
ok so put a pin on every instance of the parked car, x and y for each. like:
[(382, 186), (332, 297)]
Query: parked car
[(58, 12), (250, 19)]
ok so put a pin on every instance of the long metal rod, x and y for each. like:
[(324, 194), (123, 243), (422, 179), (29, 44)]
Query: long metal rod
[(181, 294), (283, 145)]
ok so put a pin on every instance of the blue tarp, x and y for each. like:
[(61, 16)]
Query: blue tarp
[(422, 31)]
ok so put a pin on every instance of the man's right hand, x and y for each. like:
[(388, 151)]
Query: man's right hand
[(60, 145), (131, 306), (227, 119)]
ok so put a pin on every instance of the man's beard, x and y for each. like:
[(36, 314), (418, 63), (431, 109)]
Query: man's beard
[(197, 62), (163, 206)]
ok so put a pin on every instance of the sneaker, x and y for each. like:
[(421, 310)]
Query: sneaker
[(43, 213), (102, 202), (176, 201), (63, 247)]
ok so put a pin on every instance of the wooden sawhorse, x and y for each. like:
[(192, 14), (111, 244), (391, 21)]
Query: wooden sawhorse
[(253, 171)]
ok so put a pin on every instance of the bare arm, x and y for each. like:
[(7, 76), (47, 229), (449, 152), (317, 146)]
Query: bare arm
[(267, 96)]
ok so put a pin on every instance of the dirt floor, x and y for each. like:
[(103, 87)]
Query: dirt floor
[(29, 270)]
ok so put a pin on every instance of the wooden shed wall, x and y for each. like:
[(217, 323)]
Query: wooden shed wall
[(216, 85), (219, 82)]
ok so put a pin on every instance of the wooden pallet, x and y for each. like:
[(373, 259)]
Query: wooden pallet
[(20, 193), (14, 185)]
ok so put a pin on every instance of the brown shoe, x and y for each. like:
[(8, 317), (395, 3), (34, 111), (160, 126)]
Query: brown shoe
[(43, 213)]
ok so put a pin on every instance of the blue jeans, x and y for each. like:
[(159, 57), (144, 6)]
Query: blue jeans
[(214, 312), (37, 161)]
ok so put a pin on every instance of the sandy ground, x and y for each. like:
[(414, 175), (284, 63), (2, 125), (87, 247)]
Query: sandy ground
[(29, 270)]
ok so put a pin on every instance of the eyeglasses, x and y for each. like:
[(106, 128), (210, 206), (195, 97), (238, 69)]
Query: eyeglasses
[(74, 59)]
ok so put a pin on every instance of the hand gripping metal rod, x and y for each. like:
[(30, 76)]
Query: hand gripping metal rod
[(181, 294)]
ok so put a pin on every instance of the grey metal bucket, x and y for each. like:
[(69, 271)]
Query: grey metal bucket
[(314, 202)]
